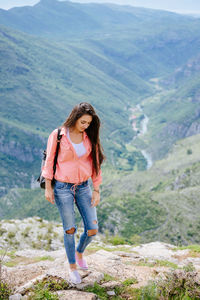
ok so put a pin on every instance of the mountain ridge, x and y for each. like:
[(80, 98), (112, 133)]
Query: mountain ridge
[(88, 17), (121, 75)]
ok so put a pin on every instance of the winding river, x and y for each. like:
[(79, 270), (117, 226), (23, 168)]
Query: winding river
[(142, 131)]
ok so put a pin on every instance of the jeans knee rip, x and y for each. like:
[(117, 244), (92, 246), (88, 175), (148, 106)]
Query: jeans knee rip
[(70, 231), (92, 232)]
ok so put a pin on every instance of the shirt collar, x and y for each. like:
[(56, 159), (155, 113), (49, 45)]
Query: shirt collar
[(63, 132), (84, 135)]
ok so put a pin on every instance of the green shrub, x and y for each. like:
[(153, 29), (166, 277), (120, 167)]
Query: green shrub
[(148, 292), (189, 151), (50, 228), (36, 245), (158, 187), (117, 240), (98, 290), (107, 278), (55, 235), (5, 291), (43, 289), (43, 295), (2, 231), (179, 284), (129, 281), (11, 235), (134, 239), (26, 231), (189, 267)]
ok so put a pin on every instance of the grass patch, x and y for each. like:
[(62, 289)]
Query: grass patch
[(5, 290), (178, 285), (44, 288), (11, 264), (158, 263), (108, 278), (126, 292), (40, 294), (10, 254), (122, 291), (94, 249), (98, 290), (194, 250), (26, 260), (130, 281), (189, 267), (149, 292), (166, 263), (37, 259)]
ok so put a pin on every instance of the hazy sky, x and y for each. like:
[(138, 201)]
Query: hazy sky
[(185, 6)]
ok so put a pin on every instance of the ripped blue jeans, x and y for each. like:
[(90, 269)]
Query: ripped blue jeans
[(65, 194)]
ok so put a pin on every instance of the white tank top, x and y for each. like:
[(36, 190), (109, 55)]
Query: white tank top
[(79, 148)]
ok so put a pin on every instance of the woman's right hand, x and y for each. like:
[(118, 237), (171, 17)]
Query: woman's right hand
[(49, 193)]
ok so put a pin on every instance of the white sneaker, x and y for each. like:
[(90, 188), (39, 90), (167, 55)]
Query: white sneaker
[(74, 277)]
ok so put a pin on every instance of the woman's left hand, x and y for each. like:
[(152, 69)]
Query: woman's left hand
[(95, 198)]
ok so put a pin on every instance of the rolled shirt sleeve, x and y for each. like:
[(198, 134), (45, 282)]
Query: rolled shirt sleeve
[(96, 179), (47, 171)]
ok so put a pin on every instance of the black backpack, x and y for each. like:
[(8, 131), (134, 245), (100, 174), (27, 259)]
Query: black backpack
[(41, 179)]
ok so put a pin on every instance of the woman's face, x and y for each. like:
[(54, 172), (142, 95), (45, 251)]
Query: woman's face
[(83, 123)]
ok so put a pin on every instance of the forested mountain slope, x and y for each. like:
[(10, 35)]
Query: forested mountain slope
[(158, 204), (140, 69), (174, 112)]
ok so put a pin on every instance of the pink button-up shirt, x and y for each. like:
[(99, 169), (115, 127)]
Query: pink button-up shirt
[(70, 168)]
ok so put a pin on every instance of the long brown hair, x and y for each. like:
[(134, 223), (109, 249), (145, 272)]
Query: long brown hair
[(92, 131)]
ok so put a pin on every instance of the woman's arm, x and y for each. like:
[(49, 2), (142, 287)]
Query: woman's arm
[(97, 180), (47, 171), (49, 193)]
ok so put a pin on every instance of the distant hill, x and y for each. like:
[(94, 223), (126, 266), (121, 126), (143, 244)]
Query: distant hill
[(184, 74), (170, 189), (174, 112), (64, 18), (178, 5), (105, 54), (140, 69), (148, 42)]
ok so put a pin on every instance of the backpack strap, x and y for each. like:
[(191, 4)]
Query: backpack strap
[(59, 136)]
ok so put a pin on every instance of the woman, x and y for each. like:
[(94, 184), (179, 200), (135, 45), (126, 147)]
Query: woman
[(80, 157)]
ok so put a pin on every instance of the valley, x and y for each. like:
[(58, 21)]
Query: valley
[(140, 69)]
